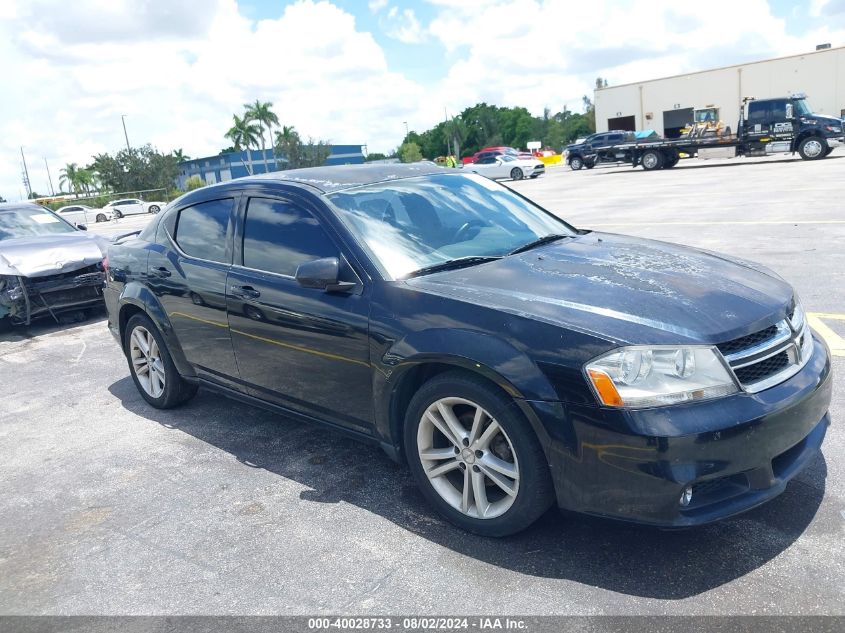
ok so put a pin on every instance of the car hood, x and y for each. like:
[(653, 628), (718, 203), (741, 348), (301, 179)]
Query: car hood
[(624, 289), (43, 255)]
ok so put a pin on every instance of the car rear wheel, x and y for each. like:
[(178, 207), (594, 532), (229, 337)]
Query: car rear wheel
[(516, 174), (474, 456), (151, 366), (154, 208), (118, 214), (652, 160), (101, 217), (812, 148), (576, 163)]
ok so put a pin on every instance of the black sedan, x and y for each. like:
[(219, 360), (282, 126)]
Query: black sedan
[(512, 360)]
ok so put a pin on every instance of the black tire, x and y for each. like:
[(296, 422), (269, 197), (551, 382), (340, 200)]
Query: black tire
[(535, 493), (812, 148), (576, 163), (589, 164), (828, 151), (154, 208), (100, 218), (176, 390), (670, 160), (118, 214), (652, 159), (516, 174)]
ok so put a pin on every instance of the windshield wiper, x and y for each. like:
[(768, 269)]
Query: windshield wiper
[(452, 264), (538, 242)]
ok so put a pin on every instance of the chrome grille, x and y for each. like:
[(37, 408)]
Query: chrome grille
[(769, 356)]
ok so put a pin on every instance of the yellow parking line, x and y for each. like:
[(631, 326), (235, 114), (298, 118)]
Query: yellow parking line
[(835, 342)]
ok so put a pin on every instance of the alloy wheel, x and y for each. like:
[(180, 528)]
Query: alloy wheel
[(813, 148), (468, 458), (146, 361)]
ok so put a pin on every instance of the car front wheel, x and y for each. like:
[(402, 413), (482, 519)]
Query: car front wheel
[(812, 148), (516, 174), (118, 214), (101, 217), (154, 208), (474, 456), (576, 163), (152, 368)]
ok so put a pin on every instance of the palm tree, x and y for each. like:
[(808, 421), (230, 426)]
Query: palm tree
[(288, 141), (244, 135), (70, 175), (261, 113), (180, 156)]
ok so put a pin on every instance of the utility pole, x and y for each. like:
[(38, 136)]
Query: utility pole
[(26, 176), (448, 135), (49, 177), (125, 135), (406, 129)]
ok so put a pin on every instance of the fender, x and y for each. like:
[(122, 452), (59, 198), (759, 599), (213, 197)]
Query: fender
[(491, 357), (137, 294)]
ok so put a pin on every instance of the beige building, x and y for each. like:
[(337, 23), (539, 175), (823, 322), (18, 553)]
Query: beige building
[(666, 105)]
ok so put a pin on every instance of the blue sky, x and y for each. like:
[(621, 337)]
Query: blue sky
[(345, 71)]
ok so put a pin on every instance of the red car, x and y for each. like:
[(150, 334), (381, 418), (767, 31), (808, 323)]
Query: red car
[(496, 151)]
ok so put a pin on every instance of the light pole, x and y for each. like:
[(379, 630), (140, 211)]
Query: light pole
[(406, 128), (125, 135)]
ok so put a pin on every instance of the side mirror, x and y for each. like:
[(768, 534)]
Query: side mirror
[(788, 110), (82, 227), (322, 274)]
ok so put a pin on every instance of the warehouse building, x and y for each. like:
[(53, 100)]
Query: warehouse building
[(666, 105), (229, 165)]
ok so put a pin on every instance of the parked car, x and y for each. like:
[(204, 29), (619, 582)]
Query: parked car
[(78, 214), (497, 151), (130, 206), (507, 166), (582, 153), (47, 266), (511, 359)]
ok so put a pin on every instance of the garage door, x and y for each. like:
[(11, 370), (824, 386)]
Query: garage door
[(674, 120), (622, 123)]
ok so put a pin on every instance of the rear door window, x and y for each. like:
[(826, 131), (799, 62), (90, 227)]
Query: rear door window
[(201, 229)]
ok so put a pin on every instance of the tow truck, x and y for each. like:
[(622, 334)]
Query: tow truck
[(781, 125)]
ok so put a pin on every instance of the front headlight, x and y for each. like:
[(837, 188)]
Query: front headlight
[(656, 376), (797, 319)]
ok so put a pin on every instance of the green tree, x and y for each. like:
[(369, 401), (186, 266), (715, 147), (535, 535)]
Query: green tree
[(135, 169), (2, 199), (244, 135), (458, 133), (70, 175), (180, 156), (262, 113), (410, 152), (376, 156), (194, 182), (298, 154)]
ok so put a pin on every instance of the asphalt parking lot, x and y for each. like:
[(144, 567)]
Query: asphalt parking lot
[(108, 506)]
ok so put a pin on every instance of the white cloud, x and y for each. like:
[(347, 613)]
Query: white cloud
[(377, 5), (402, 25), (180, 89)]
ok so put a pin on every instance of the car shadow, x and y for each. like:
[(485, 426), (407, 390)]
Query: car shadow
[(48, 325), (686, 163), (628, 559)]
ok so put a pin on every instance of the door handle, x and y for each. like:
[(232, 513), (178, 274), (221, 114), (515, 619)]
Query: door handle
[(161, 271), (245, 292)]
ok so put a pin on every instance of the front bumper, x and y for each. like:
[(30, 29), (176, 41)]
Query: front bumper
[(834, 142), (24, 298), (736, 452)]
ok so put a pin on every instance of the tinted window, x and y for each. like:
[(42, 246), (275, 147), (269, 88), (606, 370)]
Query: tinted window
[(201, 229), (279, 236), (614, 138), (777, 109), (757, 112)]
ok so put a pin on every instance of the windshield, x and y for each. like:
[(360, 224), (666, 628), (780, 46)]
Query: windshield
[(801, 106), (415, 223), (26, 222)]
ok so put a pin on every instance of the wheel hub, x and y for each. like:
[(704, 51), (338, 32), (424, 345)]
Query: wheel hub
[(468, 456)]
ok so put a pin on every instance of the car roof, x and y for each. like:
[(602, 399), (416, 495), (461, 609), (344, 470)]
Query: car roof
[(17, 206), (339, 177)]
